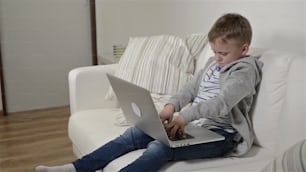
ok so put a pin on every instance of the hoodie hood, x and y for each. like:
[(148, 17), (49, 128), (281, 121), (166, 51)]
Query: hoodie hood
[(257, 64)]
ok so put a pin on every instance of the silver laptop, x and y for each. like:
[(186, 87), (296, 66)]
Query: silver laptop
[(139, 110)]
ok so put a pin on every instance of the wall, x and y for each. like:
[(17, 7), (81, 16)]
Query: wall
[(42, 40), (277, 24)]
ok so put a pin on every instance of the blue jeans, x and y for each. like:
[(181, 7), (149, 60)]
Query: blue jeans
[(156, 154)]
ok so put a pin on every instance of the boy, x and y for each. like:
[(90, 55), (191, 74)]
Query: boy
[(221, 95)]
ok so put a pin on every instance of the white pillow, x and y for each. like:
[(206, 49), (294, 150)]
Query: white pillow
[(270, 98), (162, 64)]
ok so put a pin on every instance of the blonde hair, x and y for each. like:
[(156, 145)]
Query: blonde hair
[(231, 26)]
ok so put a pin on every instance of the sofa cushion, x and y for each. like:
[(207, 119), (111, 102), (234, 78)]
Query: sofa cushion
[(256, 154), (270, 98), (162, 64), (90, 129), (196, 44), (203, 57), (293, 159), (293, 116)]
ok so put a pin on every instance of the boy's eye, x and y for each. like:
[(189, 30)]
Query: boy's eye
[(223, 53)]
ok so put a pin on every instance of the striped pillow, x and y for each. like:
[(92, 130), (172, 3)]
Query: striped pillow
[(292, 160), (161, 64)]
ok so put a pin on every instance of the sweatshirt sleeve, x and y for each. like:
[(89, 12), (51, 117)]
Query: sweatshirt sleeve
[(187, 93), (240, 81)]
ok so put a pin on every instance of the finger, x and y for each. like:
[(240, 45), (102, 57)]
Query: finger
[(173, 131), (170, 125), (168, 129), (182, 133), (162, 118), (165, 122)]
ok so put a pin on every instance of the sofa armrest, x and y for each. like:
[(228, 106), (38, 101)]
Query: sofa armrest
[(88, 87)]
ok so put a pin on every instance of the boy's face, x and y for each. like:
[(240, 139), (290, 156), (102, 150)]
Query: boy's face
[(228, 51)]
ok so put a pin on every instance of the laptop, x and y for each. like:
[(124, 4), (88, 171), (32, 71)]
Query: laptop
[(139, 110)]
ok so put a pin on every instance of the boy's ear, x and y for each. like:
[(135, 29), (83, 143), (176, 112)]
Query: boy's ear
[(245, 49)]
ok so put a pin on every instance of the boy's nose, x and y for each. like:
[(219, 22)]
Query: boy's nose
[(218, 58)]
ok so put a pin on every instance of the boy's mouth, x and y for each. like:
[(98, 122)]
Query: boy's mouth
[(220, 64)]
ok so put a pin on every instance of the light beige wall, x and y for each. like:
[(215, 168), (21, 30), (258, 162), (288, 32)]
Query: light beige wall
[(277, 24), (42, 40)]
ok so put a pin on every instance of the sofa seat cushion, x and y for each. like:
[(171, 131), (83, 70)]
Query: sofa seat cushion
[(255, 156), (90, 129)]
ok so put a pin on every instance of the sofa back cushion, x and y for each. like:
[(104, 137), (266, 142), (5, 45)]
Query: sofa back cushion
[(278, 113), (293, 116), (271, 98), (203, 57)]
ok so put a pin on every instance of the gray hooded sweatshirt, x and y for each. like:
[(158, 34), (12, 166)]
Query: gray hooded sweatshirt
[(238, 82)]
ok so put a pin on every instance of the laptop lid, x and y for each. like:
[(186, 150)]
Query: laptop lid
[(139, 110)]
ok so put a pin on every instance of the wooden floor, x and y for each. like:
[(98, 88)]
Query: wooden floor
[(28, 139)]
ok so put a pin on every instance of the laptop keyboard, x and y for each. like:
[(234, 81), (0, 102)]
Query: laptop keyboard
[(179, 137)]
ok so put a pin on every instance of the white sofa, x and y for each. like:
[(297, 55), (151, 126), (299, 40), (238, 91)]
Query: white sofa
[(278, 115)]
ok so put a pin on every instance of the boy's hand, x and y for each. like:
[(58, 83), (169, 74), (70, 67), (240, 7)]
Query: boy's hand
[(166, 114), (176, 128)]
